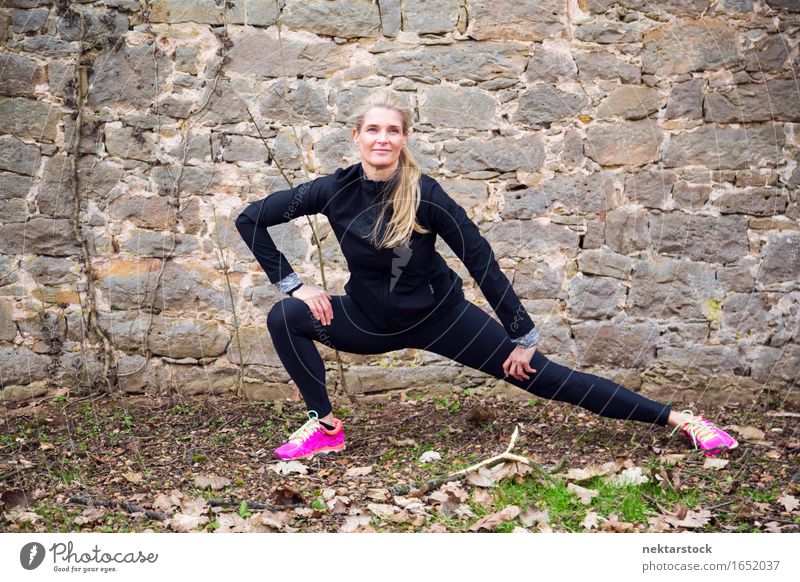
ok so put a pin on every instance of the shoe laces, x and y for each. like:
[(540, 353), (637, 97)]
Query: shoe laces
[(304, 432), (697, 428)]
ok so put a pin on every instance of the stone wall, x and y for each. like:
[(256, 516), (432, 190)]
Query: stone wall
[(634, 165)]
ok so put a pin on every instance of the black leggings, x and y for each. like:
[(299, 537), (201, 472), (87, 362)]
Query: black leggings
[(465, 334)]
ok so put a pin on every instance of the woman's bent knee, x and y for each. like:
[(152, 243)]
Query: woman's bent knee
[(286, 313)]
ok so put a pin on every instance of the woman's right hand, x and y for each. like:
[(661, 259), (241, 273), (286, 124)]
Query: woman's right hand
[(318, 300)]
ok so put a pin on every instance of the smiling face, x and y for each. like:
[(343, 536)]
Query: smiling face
[(380, 140)]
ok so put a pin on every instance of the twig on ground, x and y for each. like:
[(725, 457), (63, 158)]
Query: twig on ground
[(507, 455), (124, 505)]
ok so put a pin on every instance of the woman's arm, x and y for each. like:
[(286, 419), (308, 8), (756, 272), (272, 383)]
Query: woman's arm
[(279, 207), (450, 221)]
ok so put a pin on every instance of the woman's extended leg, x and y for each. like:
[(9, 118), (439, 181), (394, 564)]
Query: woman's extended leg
[(471, 337), (294, 330)]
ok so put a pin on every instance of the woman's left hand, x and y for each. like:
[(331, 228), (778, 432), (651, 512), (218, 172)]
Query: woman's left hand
[(519, 362)]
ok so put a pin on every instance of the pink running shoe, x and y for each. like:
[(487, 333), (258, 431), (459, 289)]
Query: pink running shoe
[(312, 438), (704, 435)]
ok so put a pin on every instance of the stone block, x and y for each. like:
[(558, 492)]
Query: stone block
[(628, 345), (28, 118), (351, 19), (21, 366), (686, 100), (754, 201), (500, 154), (690, 45), (466, 60), (604, 262), (628, 143), (595, 297), (464, 107), (302, 104), (720, 147), (517, 20), (430, 16), (721, 239), (673, 288), (627, 230), (650, 188), (542, 104), (140, 69), (775, 100), (20, 75), (781, 259), (17, 156), (630, 102), (43, 236), (604, 65)]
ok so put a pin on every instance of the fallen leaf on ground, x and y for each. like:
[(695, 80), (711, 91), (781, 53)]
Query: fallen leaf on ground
[(749, 433), (714, 463), (480, 478), (133, 477), (403, 442), (165, 502), (358, 471), (631, 476), (673, 458), (429, 456), (378, 494), (183, 523), (613, 524), (232, 523), (590, 521), (593, 471), (519, 529), (287, 467), (691, 518), (285, 495), (357, 523), (90, 515), (489, 522), (789, 502), (533, 515), (339, 504), (214, 482), (276, 520), (585, 495), (482, 497), (773, 527), (194, 505), (19, 515)]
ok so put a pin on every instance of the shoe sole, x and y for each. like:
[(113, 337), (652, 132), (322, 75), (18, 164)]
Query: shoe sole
[(310, 456)]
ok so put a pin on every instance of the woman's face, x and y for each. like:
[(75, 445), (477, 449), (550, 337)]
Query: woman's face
[(381, 138)]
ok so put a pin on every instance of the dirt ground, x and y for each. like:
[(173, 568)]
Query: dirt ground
[(109, 463)]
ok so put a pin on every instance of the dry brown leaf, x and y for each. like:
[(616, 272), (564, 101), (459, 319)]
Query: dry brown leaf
[(584, 495), (613, 524), (630, 476), (483, 498), (482, 478), (339, 504), (194, 505), (691, 518), (403, 442), (357, 523), (378, 494), (19, 515), (789, 502), (590, 521), (232, 523), (430, 456), (285, 495), (288, 467), (773, 527), (534, 515), (437, 527), (276, 520), (519, 529), (715, 463), (749, 433), (773, 454), (134, 478), (593, 471), (166, 502), (183, 523), (489, 522), (658, 524), (673, 458), (358, 471), (214, 482), (455, 489), (90, 515)]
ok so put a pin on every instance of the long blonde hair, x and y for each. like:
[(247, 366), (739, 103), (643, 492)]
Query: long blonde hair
[(405, 198)]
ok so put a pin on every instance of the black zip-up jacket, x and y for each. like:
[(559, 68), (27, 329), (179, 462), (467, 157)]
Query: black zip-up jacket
[(396, 287)]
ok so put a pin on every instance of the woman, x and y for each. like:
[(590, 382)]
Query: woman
[(401, 293)]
